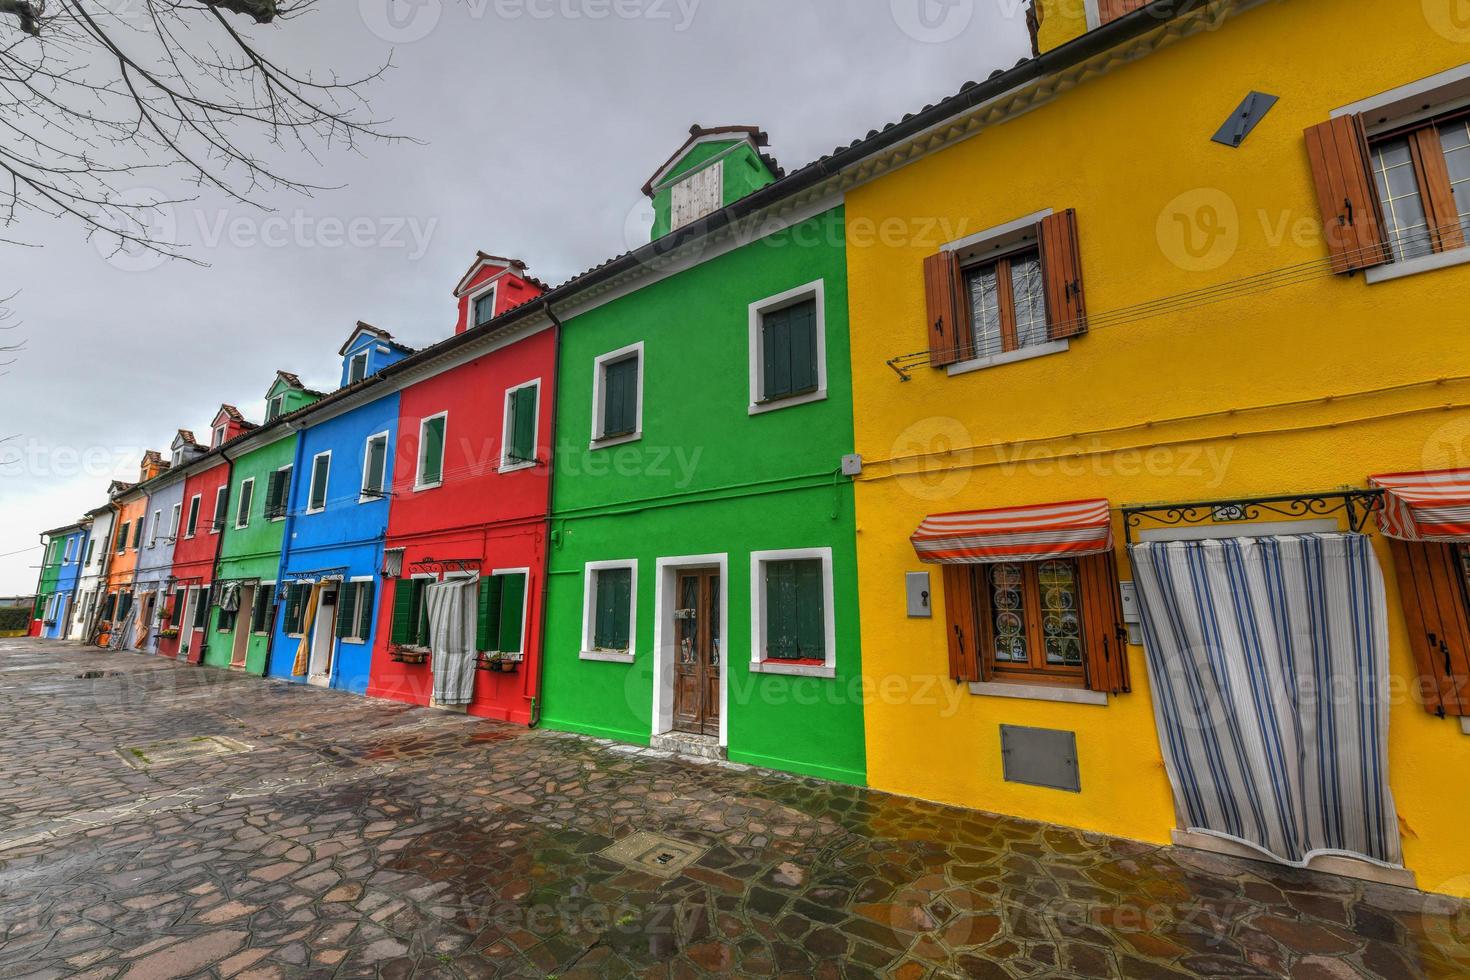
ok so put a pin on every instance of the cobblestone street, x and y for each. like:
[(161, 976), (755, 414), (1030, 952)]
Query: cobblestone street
[(162, 820)]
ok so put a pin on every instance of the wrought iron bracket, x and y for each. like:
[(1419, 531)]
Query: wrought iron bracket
[(440, 566), (1355, 505)]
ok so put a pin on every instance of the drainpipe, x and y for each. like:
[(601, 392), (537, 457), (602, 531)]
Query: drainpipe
[(270, 642), (550, 485)]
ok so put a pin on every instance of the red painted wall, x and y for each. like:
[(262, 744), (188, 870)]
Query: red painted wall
[(194, 557), (478, 512)]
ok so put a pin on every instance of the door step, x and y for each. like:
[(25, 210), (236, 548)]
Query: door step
[(687, 744)]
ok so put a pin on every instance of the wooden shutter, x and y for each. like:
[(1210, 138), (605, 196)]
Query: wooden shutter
[(321, 469), (273, 495), (1432, 585), (367, 591), (960, 623), (347, 609), (613, 602), (1061, 270), (487, 622), (201, 608), (433, 452), (404, 627), (523, 424), (620, 397), (1347, 194), (946, 321), (512, 600), (1104, 635), (293, 622)]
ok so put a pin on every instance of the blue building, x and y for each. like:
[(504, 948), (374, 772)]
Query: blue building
[(336, 521), (66, 552)]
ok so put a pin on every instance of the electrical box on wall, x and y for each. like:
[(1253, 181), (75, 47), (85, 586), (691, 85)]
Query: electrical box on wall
[(1132, 614), (916, 587), (852, 465)]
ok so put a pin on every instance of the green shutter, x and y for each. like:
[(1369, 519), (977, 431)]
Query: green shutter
[(247, 497), (346, 609), (293, 608), (487, 623), (776, 353), (512, 602), (321, 467), (811, 632), (614, 600), (523, 424), (137, 534), (421, 619), (432, 452), (377, 456), (789, 351), (284, 504), (620, 397), (201, 609), (365, 609), (273, 495), (403, 623), (795, 621)]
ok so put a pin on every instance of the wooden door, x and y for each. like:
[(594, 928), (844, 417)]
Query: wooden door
[(697, 651)]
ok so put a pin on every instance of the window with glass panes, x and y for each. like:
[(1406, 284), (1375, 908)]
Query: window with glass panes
[(321, 468), (260, 608), (1423, 178), (247, 497), (375, 466), (789, 351), (612, 609), (1007, 304), (619, 397), (795, 618), (1031, 613), (296, 596), (357, 368)]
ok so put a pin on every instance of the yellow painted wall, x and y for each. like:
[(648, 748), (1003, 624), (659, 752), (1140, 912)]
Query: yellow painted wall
[(1059, 22), (1130, 150)]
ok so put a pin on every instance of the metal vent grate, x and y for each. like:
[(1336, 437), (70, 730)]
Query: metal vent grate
[(1040, 757)]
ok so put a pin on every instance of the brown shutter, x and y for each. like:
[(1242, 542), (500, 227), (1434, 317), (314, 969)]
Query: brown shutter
[(1104, 636), (1111, 10), (959, 623), (1432, 587), (1347, 194), (1441, 209), (942, 292), (1061, 265)]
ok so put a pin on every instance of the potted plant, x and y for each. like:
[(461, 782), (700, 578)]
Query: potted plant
[(169, 632), (408, 655), (499, 662)]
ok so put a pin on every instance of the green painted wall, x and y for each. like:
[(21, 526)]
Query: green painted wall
[(250, 552), (708, 477), (744, 172)]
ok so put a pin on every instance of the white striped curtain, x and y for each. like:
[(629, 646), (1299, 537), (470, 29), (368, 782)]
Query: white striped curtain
[(1268, 662), (452, 610)]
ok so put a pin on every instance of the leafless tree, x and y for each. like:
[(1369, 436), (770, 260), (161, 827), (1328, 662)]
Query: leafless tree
[(100, 98), (8, 323)]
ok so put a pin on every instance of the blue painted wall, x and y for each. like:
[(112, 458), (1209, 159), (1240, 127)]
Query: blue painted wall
[(380, 353), (73, 552), (344, 539)]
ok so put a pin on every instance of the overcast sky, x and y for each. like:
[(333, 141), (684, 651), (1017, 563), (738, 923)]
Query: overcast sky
[(538, 122)]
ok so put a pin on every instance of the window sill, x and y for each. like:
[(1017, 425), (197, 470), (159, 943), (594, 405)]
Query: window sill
[(760, 408), (509, 467), (1009, 357), (614, 440), (608, 656), (421, 487), (1413, 267), (1038, 692), (792, 669), (359, 641)]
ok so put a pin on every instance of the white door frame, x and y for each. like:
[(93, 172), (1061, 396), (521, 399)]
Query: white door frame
[(186, 621), (665, 581), (240, 641), (322, 657)]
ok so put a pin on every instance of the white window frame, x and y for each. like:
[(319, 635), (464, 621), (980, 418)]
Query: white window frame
[(195, 505), (367, 446), (493, 289), (219, 436), (355, 583), (326, 483), (506, 465), (286, 503), (360, 355), (589, 611), (418, 476), (525, 608), (758, 562), (174, 521), (244, 504), (157, 523), (90, 552), (622, 353), (70, 546), (813, 290), (275, 407), (222, 519)]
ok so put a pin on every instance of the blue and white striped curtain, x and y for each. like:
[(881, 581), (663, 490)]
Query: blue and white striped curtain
[(1268, 663)]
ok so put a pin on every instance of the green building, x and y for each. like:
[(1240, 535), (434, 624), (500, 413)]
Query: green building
[(250, 554), (703, 592)]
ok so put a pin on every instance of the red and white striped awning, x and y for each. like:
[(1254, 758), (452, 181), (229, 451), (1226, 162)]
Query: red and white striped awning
[(1081, 527), (1425, 506)]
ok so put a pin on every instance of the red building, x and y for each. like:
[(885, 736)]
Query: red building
[(474, 441), (195, 557)]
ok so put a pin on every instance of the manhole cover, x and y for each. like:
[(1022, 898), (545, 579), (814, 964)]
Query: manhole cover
[(654, 853), (92, 675), (174, 750)]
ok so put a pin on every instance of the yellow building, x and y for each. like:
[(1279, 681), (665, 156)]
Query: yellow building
[(1107, 277)]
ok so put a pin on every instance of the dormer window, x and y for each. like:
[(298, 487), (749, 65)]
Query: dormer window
[(273, 408), (485, 307), (699, 194), (219, 437), (357, 368)]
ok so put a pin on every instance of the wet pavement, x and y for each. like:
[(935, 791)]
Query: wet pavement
[(163, 820)]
